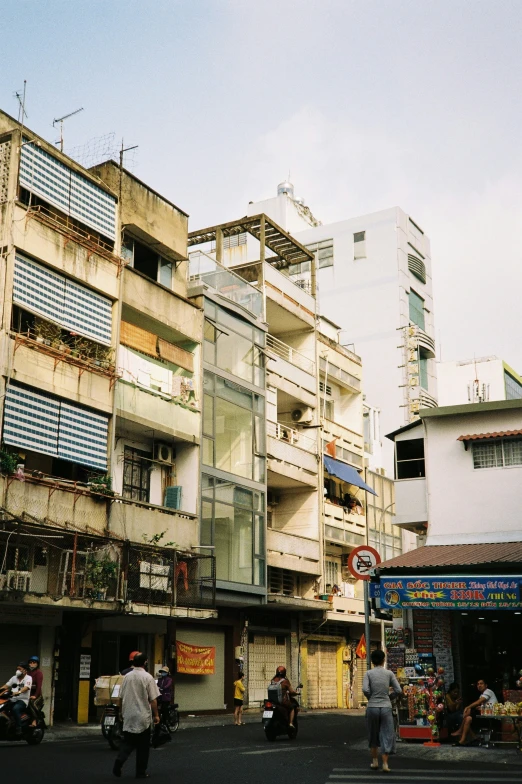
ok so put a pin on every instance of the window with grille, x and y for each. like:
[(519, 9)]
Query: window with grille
[(497, 454), (281, 581), (331, 573), (136, 474)]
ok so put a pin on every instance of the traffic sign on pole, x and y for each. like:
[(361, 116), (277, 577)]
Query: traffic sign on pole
[(361, 560)]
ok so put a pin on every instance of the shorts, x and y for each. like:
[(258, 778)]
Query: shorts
[(238, 703)]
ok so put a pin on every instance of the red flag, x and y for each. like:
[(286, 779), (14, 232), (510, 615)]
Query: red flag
[(360, 651), (330, 448)]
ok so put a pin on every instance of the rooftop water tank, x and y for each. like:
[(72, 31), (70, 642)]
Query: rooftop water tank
[(285, 187)]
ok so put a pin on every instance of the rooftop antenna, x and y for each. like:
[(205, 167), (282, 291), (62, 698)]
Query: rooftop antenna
[(22, 114), (123, 150), (60, 120)]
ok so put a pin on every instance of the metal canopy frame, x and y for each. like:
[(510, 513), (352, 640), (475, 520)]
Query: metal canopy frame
[(270, 235)]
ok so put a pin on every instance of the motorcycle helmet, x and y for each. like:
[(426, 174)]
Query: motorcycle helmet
[(133, 654), (281, 672), (33, 659)]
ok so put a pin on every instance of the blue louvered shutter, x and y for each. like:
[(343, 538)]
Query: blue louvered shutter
[(82, 436), (46, 176), (38, 288), (173, 497), (87, 313), (31, 420)]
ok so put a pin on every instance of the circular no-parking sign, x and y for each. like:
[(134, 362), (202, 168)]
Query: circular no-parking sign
[(361, 560)]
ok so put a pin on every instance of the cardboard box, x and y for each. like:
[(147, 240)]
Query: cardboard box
[(107, 690)]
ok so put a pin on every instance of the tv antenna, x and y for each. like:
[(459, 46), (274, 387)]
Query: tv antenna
[(22, 114), (60, 120)]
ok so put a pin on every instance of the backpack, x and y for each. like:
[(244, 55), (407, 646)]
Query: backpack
[(275, 693)]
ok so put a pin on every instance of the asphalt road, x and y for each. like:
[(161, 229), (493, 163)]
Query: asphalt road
[(323, 753)]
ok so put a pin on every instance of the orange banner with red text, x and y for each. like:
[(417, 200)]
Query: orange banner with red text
[(195, 659)]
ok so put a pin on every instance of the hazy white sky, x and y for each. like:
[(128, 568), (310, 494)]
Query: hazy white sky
[(368, 103)]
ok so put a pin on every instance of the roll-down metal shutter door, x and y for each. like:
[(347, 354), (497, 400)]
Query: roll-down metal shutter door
[(265, 654), (322, 674)]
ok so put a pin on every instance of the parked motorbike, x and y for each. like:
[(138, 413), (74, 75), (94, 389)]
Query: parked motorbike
[(31, 735), (275, 719)]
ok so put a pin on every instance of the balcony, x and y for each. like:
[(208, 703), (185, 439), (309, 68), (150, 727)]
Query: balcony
[(343, 527), (291, 372), (159, 310), (66, 249), (349, 446), (154, 411), (203, 269), (289, 307), (342, 377), (292, 457), (292, 552), (49, 565), (133, 519), (344, 609)]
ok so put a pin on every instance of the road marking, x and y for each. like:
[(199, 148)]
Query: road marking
[(399, 776), (282, 748), (430, 771), (232, 748)]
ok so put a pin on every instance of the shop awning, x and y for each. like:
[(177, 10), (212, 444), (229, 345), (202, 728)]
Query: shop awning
[(346, 473), (483, 554)]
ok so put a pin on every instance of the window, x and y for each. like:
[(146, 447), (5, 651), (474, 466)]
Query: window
[(136, 474), (359, 245), (513, 387), (497, 454), (147, 261), (331, 573), (233, 427), (416, 309), (281, 581), (423, 369), (232, 520), (328, 407), (235, 346), (324, 255), (410, 458), (417, 267)]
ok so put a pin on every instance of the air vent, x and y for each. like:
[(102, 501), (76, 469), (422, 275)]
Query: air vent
[(417, 267)]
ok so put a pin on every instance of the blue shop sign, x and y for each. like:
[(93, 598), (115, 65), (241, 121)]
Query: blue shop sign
[(450, 593)]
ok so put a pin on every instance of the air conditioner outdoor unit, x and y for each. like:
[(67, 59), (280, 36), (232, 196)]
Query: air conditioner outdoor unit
[(163, 453), (302, 415)]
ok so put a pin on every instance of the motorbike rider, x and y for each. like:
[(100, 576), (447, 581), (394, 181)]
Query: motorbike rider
[(165, 688), (36, 700), (20, 686), (131, 659), (288, 693)]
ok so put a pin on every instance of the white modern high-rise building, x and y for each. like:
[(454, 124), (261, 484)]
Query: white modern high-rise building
[(373, 276)]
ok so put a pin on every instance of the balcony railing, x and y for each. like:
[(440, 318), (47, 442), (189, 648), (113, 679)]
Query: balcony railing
[(291, 436), (332, 371), (207, 270), (290, 354), (56, 564)]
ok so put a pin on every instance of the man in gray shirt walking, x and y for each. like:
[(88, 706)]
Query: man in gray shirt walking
[(139, 695)]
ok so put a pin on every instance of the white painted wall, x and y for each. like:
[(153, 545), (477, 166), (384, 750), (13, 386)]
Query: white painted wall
[(468, 505)]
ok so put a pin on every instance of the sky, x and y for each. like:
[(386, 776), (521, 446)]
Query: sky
[(367, 103)]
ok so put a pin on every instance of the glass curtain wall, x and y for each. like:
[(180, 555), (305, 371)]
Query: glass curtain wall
[(232, 515)]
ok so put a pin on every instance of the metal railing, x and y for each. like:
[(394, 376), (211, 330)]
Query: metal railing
[(291, 436), (338, 373), (53, 562), (204, 268), (290, 354)]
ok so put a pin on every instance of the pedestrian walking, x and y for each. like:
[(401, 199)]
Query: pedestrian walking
[(239, 693), (379, 716), (139, 696)]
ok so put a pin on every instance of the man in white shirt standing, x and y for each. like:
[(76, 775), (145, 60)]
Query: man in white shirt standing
[(20, 685), (139, 694), (487, 697)]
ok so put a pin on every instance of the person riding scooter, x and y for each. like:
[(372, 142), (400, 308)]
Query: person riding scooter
[(288, 703), (36, 702), (20, 686)]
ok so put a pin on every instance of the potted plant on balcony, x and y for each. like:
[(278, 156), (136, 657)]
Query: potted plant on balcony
[(8, 462), (99, 572), (101, 485)]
